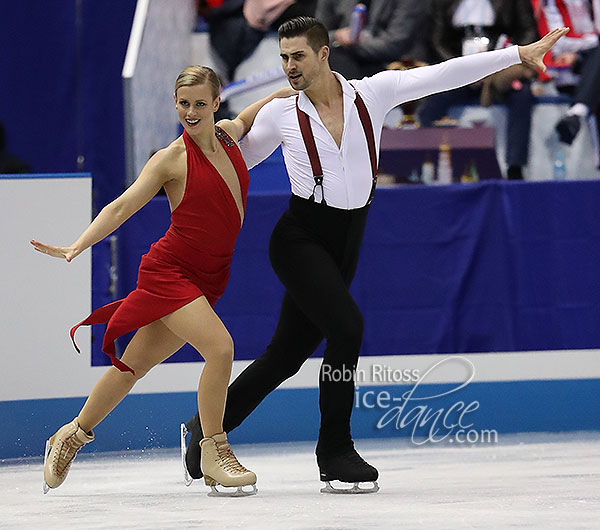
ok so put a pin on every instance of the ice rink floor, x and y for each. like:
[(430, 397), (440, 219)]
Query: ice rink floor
[(549, 481)]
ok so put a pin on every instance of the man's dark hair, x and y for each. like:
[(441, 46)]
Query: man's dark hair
[(315, 32)]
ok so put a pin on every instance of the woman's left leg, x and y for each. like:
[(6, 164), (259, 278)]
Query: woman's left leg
[(150, 345)]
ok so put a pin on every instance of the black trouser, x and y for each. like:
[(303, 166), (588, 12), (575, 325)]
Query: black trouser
[(588, 88), (314, 250)]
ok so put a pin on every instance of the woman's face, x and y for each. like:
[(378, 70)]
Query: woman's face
[(196, 107)]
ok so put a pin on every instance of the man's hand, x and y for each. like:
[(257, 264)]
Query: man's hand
[(533, 54)]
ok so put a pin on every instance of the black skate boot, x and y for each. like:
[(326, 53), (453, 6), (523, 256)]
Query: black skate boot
[(347, 467), (190, 455)]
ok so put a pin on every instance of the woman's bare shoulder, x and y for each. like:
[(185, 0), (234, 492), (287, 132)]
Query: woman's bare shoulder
[(170, 159)]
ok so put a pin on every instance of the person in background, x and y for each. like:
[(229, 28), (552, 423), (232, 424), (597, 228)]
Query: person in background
[(236, 28), (574, 64), (463, 27), (10, 164), (392, 31)]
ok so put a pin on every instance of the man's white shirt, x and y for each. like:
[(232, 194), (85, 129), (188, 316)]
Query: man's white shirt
[(347, 175)]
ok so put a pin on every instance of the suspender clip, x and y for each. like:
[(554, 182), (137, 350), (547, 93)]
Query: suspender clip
[(318, 182)]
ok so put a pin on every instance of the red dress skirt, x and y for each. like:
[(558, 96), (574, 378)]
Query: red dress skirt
[(191, 260)]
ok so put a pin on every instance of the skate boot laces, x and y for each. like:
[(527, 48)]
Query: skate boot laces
[(227, 460), (61, 449), (65, 453)]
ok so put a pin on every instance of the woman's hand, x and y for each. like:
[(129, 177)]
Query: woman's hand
[(67, 253), (240, 125), (284, 92)]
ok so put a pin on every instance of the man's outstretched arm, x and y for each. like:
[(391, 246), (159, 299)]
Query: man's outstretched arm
[(455, 73)]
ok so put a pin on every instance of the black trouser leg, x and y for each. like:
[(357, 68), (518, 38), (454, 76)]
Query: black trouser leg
[(295, 339), (519, 104), (588, 89), (317, 304), (315, 282)]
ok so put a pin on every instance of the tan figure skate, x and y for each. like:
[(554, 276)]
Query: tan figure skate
[(61, 450), (221, 467)]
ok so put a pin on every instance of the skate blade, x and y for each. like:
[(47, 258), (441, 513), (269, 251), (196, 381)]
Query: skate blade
[(354, 490), (230, 492), (47, 449), (187, 479)]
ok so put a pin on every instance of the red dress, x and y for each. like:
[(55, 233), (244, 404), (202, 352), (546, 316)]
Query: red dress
[(191, 260)]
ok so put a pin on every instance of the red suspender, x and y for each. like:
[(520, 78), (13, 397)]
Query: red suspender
[(311, 149), (365, 119), (313, 155)]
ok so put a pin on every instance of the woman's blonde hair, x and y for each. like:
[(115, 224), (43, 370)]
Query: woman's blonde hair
[(198, 75)]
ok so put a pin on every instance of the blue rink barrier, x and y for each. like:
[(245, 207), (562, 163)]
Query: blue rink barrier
[(485, 268), (495, 266), (145, 421)]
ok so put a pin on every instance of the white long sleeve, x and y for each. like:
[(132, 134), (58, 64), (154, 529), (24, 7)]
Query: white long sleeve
[(397, 87), (347, 168)]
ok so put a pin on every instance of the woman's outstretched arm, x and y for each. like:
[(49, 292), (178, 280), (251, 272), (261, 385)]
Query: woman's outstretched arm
[(153, 176)]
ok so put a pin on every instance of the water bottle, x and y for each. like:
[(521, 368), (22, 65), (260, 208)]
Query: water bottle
[(427, 172), (357, 22), (444, 167), (560, 169)]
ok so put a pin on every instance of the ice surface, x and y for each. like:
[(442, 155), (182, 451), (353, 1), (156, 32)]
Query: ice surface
[(546, 481)]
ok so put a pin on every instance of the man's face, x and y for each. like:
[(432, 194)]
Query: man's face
[(300, 62)]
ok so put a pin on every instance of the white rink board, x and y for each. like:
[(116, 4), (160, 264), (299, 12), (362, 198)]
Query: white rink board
[(41, 296)]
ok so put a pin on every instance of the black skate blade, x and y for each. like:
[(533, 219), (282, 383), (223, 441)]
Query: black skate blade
[(189, 425), (239, 491), (187, 479), (47, 449), (354, 490)]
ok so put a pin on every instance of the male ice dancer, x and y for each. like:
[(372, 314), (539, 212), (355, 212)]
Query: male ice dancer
[(330, 137)]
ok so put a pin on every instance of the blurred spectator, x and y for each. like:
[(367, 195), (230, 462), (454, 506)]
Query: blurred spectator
[(391, 33), (575, 63), (461, 27), (9, 163), (236, 26)]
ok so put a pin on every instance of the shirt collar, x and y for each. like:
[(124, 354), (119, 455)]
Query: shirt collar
[(306, 105)]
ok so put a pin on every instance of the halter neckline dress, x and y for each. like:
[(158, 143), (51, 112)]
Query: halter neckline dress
[(192, 259)]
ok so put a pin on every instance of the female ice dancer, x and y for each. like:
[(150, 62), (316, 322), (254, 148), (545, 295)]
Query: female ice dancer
[(179, 279)]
